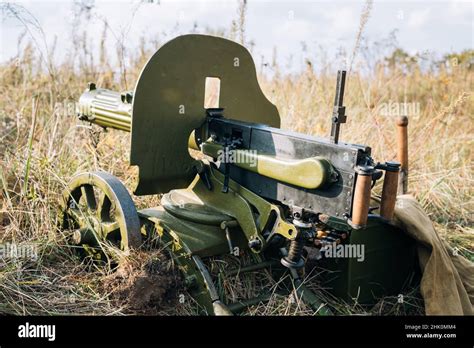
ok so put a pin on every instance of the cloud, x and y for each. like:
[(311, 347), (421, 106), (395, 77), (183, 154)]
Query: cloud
[(419, 18), (435, 25), (342, 21)]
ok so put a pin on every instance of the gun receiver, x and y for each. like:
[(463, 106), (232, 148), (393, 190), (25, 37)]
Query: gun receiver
[(318, 175), (333, 192), (295, 169)]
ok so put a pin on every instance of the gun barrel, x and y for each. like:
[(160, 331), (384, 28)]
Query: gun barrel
[(106, 108)]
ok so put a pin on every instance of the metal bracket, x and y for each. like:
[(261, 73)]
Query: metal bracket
[(338, 114)]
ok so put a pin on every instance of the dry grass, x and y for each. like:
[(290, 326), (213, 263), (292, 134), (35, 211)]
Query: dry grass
[(42, 145)]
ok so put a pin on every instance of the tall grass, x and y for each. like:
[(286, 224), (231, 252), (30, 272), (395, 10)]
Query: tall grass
[(42, 145)]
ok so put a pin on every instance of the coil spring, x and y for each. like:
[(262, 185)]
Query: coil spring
[(296, 249)]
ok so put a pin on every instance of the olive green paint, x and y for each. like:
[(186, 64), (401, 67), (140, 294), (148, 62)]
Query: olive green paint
[(309, 173), (168, 104)]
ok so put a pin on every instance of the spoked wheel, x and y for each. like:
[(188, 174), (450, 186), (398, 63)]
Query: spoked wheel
[(101, 215)]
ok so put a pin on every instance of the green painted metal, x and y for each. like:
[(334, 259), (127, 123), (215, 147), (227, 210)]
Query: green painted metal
[(242, 305), (309, 173), (157, 220), (168, 104), (197, 219), (253, 267), (100, 210), (389, 263), (185, 204), (312, 300), (201, 239), (105, 108), (240, 204)]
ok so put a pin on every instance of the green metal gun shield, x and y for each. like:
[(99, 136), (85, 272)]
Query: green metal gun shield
[(168, 104)]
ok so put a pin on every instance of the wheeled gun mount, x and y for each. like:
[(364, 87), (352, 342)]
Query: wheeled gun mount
[(274, 194), (310, 173)]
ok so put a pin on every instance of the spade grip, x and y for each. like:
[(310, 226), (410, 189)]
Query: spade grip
[(360, 207), (402, 153), (389, 190)]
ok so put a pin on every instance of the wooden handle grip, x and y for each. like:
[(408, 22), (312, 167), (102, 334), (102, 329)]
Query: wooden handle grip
[(360, 207), (389, 194), (402, 152)]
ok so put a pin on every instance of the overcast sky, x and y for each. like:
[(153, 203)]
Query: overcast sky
[(435, 26)]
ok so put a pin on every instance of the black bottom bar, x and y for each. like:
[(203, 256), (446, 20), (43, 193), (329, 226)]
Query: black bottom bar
[(237, 330)]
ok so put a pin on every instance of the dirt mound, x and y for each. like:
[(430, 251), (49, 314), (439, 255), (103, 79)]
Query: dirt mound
[(146, 284)]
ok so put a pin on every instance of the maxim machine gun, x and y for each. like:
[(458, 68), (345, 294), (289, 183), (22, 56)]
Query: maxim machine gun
[(271, 199)]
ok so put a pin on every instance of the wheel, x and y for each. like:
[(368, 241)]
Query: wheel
[(101, 214)]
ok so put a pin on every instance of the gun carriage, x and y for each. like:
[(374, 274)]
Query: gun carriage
[(279, 196)]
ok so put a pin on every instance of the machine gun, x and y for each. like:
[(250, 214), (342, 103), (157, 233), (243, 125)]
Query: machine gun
[(282, 197)]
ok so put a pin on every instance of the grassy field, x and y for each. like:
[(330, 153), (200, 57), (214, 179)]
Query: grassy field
[(42, 145)]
